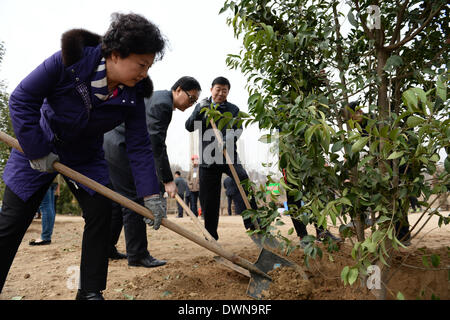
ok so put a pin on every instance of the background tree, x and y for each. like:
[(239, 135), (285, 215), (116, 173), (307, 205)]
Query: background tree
[(5, 123), (304, 69)]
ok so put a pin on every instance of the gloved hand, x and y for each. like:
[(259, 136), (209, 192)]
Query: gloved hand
[(44, 164), (158, 206)]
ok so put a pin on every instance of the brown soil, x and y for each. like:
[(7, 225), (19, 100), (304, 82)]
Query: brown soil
[(48, 272)]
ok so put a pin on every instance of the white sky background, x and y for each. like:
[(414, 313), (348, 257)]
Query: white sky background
[(199, 41)]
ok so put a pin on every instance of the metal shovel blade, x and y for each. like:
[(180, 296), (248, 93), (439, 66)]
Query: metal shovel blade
[(267, 261), (269, 242)]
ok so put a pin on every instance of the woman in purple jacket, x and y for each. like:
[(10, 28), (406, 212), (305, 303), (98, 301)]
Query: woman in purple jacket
[(60, 112)]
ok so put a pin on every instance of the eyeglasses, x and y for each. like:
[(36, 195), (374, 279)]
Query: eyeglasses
[(192, 99)]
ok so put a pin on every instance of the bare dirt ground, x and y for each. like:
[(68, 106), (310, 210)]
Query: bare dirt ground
[(49, 272)]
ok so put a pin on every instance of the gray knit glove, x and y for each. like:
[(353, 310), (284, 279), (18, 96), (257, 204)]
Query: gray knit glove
[(157, 205), (45, 164)]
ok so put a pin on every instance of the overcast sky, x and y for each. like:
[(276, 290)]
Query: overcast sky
[(199, 41)]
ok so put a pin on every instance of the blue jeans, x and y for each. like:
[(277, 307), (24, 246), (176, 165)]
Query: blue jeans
[(47, 209)]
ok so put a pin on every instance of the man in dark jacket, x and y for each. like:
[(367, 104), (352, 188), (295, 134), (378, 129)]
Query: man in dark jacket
[(231, 191), (212, 165), (183, 191), (158, 109)]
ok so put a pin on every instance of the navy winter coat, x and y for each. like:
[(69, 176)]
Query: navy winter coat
[(51, 111)]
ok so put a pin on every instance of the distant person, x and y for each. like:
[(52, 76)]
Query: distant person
[(194, 183), (158, 112), (48, 212), (183, 191), (231, 191)]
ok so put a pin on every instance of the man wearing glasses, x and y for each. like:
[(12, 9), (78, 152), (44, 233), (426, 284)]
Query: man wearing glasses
[(159, 108)]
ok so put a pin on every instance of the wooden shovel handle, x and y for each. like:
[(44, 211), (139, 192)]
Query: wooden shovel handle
[(143, 211), (233, 171)]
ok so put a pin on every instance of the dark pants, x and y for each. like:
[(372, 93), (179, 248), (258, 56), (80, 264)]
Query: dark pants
[(210, 186), (133, 223), (16, 216), (230, 203), (299, 226), (180, 208), (194, 200)]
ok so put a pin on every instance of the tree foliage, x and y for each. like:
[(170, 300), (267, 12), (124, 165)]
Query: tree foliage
[(304, 67), (5, 123)]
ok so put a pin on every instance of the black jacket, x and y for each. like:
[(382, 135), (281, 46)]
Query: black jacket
[(230, 187), (158, 110), (208, 141)]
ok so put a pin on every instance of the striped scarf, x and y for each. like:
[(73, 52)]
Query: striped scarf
[(99, 84)]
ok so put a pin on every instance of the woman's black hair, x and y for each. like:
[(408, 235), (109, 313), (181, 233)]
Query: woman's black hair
[(132, 33), (187, 83)]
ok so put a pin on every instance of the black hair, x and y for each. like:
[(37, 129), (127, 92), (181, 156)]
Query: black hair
[(222, 81), (178, 173), (132, 33), (187, 83)]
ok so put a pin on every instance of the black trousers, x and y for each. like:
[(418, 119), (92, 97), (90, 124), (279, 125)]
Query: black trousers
[(132, 222), (194, 200), (230, 203), (210, 186), (299, 226), (17, 215), (180, 208)]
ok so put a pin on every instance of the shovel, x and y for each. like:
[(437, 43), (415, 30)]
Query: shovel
[(267, 260), (208, 236), (271, 243)]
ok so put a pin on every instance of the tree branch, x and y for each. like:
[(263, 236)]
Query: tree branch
[(415, 33), (398, 27), (368, 33)]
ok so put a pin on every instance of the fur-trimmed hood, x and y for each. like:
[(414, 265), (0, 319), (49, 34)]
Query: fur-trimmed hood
[(73, 43)]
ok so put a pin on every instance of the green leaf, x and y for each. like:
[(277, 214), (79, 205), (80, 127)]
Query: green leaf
[(395, 155), (337, 146), (344, 274), (447, 164), (425, 261), (358, 145), (353, 275), (410, 99), (435, 260), (441, 89), (400, 296), (346, 201), (393, 62), (352, 20), (414, 121)]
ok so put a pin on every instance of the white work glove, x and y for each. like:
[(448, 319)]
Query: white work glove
[(45, 164), (157, 205)]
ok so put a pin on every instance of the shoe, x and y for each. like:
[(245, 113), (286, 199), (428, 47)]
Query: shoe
[(39, 243), (83, 295), (147, 262), (327, 235), (116, 255)]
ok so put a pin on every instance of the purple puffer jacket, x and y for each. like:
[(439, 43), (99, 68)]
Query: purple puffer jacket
[(51, 111)]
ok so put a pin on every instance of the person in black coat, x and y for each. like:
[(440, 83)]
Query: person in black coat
[(212, 164), (183, 94), (231, 191)]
